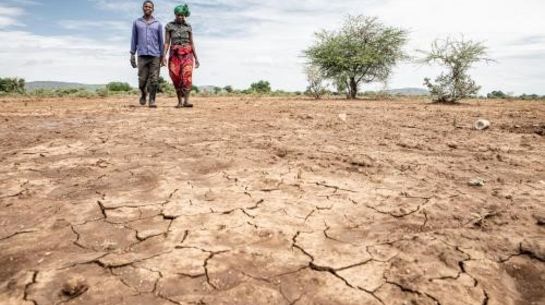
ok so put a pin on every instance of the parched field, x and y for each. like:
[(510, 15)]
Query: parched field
[(269, 201)]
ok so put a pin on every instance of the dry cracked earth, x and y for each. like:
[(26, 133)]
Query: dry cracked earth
[(269, 201)]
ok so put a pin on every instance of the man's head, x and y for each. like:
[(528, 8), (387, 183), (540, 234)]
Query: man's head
[(148, 7)]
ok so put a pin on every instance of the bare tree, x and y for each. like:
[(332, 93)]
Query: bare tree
[(457, 56), (315, 78)]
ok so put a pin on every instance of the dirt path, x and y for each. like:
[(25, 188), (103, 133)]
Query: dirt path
[(242, 201)]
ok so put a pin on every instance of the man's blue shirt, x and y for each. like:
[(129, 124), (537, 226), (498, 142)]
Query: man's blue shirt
[(147, 37)]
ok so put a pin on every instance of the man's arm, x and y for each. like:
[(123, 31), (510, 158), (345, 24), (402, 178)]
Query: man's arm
[(134, 43), (161, 41), (134, 38)]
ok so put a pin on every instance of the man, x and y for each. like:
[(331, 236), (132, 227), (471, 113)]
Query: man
[(147, 43)]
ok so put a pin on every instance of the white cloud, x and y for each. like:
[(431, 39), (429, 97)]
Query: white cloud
[(95, 24), (9, 16), (239, 42), (62, 58)]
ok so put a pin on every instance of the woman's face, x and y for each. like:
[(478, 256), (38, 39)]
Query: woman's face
[(180, 18)]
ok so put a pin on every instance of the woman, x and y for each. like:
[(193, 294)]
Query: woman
[(179, 39)]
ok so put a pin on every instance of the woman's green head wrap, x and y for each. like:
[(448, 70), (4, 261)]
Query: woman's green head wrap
[(182, 10)]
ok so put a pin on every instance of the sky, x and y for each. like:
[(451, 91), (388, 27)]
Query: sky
[(242, 41)]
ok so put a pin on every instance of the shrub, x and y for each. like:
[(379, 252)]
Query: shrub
[(118, 87)]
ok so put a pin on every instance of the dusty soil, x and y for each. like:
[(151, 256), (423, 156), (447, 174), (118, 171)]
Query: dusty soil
[(245, 201)]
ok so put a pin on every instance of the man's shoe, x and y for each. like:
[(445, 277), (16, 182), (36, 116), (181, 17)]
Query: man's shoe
[(188, 105), (152, 93), (143, 100)]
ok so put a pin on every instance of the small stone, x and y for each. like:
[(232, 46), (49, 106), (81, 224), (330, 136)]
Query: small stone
[(74, 287), (342, 116), (540, 219), (476, 182), (452, 145), (481, 124), (517, 126), (210, 196)]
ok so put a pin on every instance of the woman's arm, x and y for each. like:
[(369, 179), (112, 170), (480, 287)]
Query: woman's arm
[(197, 64)]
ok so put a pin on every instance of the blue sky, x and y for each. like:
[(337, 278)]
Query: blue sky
[(246, 40)]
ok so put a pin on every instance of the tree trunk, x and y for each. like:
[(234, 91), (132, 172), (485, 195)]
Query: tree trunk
[(353, 87)]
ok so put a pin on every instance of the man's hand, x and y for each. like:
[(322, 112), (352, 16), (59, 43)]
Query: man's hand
[(133, 61), (163, 61)]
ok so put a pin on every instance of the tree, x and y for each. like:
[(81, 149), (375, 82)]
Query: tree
[(228, 89), (315, 79), (457, 56), (497, 95), (261, 86), (12, 85), (118, 87), (363, 51)]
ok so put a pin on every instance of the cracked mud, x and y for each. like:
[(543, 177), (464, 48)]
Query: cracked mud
[(244, 201)]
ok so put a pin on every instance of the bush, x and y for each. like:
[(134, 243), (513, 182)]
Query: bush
[(497, 95), (457, 56), (103, 92), (118, 87), (261, 86), (531, 97), (12, 85)]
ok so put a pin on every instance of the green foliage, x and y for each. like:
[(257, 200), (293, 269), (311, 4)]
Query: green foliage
[(103, 92), (166, 87), (531, 97), (363, 51), (118, 87), (12, 85), (228, 89), (262, 87), (195, 89), (497, 95), (457, 56)]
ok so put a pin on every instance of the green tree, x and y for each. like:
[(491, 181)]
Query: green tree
[(363, 51), (497, 95), (12, 85), (457, 56), (228, 89), (118, 87), (261, 86)]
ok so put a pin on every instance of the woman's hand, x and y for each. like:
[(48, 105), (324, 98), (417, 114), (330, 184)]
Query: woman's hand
[(197, 64)]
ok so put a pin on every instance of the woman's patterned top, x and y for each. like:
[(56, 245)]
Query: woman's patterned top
[(179, 32)]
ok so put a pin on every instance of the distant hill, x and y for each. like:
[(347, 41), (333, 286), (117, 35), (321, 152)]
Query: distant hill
[(59, 85), (408, 91)]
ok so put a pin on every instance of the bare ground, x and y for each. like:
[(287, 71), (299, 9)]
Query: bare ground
[(268, 201)]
